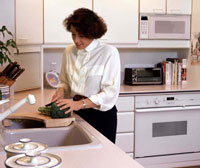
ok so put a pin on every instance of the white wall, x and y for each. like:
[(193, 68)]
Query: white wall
[(127, 56)]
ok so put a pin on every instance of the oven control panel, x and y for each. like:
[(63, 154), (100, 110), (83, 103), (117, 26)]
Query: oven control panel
[(167, 100)]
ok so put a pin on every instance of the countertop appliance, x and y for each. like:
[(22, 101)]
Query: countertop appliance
[(163, 27), (143, 76), (167, 124)]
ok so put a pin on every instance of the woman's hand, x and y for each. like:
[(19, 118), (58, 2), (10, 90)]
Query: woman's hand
[(58, 95), (73, 105)]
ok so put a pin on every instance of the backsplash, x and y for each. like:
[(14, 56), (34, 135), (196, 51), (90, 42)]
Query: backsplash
[(127, 56)]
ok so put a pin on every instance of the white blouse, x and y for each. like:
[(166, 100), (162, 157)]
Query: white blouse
[(93, 72)]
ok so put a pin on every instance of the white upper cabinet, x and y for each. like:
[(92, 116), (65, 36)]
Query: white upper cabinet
[(7, 16), (166, 6), (179, 6), (55, 11), (153, 6), (121, 18), (29, 21)]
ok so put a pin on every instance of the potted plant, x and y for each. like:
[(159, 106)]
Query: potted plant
[(6, 46)]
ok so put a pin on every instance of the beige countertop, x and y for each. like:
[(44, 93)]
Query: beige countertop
[(108, 156), (126, 89)]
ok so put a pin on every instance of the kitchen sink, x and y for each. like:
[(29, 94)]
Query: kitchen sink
[(72, 137)]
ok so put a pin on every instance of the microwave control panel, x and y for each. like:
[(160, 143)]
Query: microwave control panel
[(144, 26)]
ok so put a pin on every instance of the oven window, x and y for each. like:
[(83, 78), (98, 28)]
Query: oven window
[(169, 128)]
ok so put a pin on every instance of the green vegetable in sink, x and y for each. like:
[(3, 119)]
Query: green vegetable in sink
[(54, 111)]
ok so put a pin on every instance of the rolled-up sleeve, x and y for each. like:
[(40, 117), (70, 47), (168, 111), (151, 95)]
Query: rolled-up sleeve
[(110, 83)]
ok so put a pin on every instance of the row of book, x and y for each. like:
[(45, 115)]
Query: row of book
[(174, 71)]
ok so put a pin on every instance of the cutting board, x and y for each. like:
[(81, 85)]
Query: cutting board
[(37, 116)]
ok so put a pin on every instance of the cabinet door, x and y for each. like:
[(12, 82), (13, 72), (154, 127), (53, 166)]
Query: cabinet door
[(125, 122), (29, 21), (153, 6), (179, 6), (7, 16), (125, 104), (31, 77), (125, 141), (121, 19), (54, 13)]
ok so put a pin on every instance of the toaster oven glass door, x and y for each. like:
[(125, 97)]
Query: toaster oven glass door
[(148, 73)]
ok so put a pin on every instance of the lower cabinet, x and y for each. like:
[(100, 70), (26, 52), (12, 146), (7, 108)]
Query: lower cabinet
[(125, 124), (125, 141)]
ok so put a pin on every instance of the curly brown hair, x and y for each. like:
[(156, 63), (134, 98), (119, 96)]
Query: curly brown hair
[(87, 23)]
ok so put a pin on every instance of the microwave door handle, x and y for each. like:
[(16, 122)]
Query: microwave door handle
[(146, 110)]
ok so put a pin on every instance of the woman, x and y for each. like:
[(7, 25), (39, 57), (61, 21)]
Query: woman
[(90, 73)]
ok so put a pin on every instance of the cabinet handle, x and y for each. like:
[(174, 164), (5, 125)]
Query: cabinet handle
[(175, 11), (158, 10), (22, 38)]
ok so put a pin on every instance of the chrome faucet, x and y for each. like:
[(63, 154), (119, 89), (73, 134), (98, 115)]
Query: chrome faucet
[(29, 99)]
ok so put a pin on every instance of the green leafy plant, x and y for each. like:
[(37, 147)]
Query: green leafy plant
[(6, 45)]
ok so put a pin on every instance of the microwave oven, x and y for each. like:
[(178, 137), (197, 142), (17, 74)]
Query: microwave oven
[(161, 27)]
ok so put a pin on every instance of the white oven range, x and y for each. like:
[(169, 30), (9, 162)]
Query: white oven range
[(167, 125)]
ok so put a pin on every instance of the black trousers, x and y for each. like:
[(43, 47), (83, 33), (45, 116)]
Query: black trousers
[(104, 121)]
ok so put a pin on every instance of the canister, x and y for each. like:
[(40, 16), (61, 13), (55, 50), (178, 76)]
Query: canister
[(34, 159), (23, 146)]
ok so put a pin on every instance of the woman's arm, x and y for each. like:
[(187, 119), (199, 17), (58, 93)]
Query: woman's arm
[(59, 94), (75, 105), (63, 87), (110, 83)]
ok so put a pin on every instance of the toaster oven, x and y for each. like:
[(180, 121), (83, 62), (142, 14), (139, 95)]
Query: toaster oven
[(143, 76)]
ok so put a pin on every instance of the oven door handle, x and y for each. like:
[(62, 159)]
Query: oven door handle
[(167, 109)]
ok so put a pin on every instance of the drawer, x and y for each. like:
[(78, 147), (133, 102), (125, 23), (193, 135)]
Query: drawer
[(125, 141), (125, 104), (125, 122)]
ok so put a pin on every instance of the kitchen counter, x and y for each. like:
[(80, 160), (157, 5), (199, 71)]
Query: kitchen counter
[(108, 156), (44, 97), (191, 87)]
